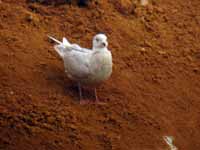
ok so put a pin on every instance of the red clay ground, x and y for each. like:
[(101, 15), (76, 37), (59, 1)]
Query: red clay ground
[(154, 89)]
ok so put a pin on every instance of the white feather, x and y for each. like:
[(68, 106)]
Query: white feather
[(85, 65)]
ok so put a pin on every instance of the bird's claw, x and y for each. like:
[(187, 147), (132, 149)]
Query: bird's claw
[(85, 102)]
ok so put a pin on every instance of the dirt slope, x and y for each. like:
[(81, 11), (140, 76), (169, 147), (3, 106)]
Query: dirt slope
[(154, 89)]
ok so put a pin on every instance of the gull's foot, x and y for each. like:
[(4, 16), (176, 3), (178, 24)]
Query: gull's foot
[(84, 102), (98, 102), (87, 102)]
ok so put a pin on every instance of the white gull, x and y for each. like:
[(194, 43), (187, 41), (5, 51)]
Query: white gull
[(86, 66)]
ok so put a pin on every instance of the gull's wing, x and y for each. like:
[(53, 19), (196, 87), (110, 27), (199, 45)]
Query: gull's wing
[(55, 40), (76, 59), (78, 48), (77, 64), (64, 46)]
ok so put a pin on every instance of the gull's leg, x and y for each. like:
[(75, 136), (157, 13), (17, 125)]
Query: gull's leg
[(80, 93), (82, 102), (96, 97), (97, 101)]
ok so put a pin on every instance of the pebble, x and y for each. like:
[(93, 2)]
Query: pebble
[(190, 58), (162, 52), (196, 70), (11, 92), (143, 50), (144, 2)]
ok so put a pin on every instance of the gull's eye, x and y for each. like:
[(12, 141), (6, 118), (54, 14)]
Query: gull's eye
[(97, 40)]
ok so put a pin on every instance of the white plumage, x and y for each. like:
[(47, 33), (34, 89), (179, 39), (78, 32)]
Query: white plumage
[(86, 66)]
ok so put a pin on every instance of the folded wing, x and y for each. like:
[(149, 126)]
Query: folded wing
[(76, 59), (77, 64)]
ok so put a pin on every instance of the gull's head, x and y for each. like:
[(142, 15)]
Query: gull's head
[(100, 41)]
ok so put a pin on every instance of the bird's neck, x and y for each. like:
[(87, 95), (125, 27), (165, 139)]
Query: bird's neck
[(99, 49)]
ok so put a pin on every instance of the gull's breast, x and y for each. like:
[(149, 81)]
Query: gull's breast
[(101, 67)]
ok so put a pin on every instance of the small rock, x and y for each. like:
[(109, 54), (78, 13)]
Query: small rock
[(143, 50), (162, 52), (11, 93), (169, 140), (190, 58), (144, 2), (29, 18), (124, 6), (196, 70), (148, 43), (197, 55)]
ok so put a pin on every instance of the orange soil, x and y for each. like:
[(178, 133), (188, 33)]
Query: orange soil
[(154, 89)]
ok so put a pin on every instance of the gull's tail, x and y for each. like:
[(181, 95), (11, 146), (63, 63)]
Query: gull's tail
[(61, 47)]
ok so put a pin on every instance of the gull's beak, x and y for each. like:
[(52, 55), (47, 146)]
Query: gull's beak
[(104, 44)]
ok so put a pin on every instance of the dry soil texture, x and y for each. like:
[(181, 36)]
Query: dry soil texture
[(154, 89)]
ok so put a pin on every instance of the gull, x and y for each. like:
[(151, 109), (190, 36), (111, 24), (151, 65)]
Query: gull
[(86, 66)]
